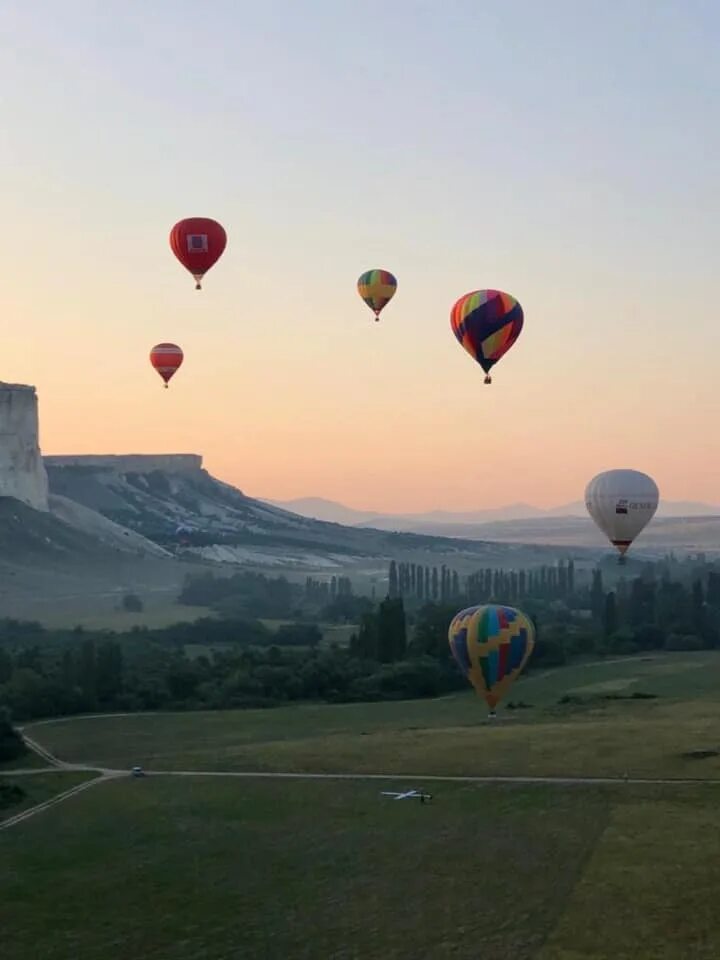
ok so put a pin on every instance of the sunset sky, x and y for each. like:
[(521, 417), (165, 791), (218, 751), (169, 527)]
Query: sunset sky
[(565, 151)]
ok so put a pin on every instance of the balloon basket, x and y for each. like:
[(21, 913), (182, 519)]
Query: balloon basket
[(488, 379)]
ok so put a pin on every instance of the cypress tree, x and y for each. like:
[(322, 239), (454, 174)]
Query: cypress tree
[(391, 631), (393, 580), (597, 596), (609, 615), (455, 590)]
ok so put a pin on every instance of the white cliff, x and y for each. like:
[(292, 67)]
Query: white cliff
[(22, 472), (132, 462)]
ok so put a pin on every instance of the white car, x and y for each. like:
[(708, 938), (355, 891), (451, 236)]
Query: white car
[(137, 772)]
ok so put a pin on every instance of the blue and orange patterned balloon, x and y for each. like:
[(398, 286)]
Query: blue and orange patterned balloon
[(487, 323), (377, 288), (491, 645)]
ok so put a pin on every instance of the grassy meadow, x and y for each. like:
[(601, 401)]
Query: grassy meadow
[(212, 868), (37, 788), (187, 868), (447, 736)]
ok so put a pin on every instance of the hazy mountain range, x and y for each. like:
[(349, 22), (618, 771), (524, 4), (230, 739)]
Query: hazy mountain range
[(320, 509)]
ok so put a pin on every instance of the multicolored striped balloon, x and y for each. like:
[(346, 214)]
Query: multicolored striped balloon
[(491, 645), (377, 288), (167, 359), (487, 323)]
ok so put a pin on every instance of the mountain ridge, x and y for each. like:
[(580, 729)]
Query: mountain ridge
[(329, 510)]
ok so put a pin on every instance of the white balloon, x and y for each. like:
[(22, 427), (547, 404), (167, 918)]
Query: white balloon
[(622, 503)]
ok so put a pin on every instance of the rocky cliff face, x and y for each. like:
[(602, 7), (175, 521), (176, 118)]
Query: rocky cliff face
[(22, 472)]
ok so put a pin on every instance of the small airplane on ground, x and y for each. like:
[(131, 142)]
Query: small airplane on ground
[(409, 795)]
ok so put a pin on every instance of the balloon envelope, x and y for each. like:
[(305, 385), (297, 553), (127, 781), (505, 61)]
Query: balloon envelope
[(377, 288), (491, 644), (198, 243), (622, 503), (167, 359), (487, 323)]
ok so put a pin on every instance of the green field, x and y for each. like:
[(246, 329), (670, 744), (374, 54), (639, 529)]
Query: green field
[(446, 736), (28, 759), (39, 787), (213, 868), (179, 869), (107, 616)]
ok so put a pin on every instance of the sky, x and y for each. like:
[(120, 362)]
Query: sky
[(565, 151)]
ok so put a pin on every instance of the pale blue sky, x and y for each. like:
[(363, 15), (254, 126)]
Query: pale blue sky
[(564, 151)]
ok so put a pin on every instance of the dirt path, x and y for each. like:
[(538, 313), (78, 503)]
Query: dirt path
[(109, 773)]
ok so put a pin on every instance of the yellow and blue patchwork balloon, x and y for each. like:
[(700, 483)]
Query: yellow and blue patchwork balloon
[(491, 644)]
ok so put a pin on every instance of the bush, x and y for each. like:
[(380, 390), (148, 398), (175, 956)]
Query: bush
[(132, 603), (684, 642), (10, 794), (12, 745)]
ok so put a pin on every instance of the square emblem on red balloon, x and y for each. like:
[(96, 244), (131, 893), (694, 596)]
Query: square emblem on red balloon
[(197, 243)]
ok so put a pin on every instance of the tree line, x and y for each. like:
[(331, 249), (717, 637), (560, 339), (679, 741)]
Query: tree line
[(443, 584), (399, 648)]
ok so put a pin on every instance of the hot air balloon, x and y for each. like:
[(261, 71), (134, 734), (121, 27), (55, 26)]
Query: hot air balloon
[(198, 243), (491, 644), (377, 288), (487, 323), (167, 359), (622, 503)]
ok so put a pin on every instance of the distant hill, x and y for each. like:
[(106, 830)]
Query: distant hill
[(316, 508), (444, 522)]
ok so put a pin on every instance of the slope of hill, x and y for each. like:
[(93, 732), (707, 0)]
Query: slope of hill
[(76, 561), (175, 503)]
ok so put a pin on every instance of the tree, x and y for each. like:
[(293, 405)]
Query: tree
[(109, 673), (430, 636), (698, 608), (609, 615), (132, 603), (367, 637), (597, 596), (393, 580), (12, 745), (391, 631), (713, 589), (455, 587), (6, 666)]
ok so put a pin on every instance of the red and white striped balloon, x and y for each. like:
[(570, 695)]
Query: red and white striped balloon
[(167, 359)]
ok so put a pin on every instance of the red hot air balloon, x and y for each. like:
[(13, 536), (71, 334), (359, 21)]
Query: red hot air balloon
[(198, 243), (167, 359)]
